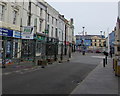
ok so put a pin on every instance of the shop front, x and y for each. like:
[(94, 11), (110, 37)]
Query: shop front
[(9, 44)]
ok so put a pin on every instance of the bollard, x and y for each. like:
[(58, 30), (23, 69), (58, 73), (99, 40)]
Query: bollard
[(103, 62), (106, 60), (113, 64)]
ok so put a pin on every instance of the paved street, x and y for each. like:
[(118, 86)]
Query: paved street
[(58, 78)]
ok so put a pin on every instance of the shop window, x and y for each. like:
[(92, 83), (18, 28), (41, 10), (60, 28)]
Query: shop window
[(118, 48), (8, 49), (15, 48)]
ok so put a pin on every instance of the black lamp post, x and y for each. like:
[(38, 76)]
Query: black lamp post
[(83, 31)]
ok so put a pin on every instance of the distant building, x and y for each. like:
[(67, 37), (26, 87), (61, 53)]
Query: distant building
[(117, 37), (92, 42)]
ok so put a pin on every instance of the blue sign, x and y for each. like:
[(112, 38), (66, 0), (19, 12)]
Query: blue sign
[(6, 32), (16, 34)]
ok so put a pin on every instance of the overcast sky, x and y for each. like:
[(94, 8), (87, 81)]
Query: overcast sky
[(94, 16)]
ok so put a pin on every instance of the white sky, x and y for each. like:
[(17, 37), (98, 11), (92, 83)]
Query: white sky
[(94, 16)]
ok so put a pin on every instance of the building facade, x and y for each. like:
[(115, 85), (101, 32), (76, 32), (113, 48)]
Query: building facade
[(91, 42), (29, 28)]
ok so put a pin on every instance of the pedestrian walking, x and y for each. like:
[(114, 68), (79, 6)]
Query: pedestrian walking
[(111, 53)]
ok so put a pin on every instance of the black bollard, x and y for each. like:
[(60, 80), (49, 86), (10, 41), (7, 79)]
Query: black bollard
[(103, 62), (106, 60)]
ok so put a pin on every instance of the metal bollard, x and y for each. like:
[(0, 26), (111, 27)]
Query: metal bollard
[(106, 60), (103, 62)]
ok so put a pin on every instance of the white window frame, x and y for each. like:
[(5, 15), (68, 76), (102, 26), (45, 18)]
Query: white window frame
[(2, 13), (15, 16), (40, 25)]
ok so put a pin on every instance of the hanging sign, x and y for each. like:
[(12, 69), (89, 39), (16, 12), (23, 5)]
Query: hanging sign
[(16, 34), (28, 32)]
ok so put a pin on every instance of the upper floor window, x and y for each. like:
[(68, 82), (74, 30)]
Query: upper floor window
[(95, 44), (56, 32), (56, 22), (48, 28), (14, 16), (95, 40), (52, 32), (52, 20), (48, 17), (2, 12), (40, 26), (40, 11)]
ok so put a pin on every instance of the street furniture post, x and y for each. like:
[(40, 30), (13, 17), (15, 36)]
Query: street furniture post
[(103, 62)]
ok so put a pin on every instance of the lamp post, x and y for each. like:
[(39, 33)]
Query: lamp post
[(101, 33), (83, 31), (83, 45)]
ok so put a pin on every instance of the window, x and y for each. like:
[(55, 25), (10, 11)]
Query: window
[(2, 12), (40, 26), (52, 20), (99, 40), (48, 17), (95, 40), (56, 22), (118, 48), (56, 32), (14, 16), (91, 44), (95, 44), (52, 32), (40, 11), (48, 28)]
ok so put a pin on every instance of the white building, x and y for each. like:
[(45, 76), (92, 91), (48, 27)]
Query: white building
[(52, 21), (38, 16)]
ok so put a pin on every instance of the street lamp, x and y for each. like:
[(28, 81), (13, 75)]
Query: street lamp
[(101, 33), (83, 30)]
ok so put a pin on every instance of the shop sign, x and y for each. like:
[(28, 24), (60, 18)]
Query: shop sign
[(28, 32), (16, 34), (6, 32), (40, 38), (66, 42)]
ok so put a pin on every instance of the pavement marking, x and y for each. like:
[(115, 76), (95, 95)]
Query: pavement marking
[(25, 69), (17, 71), (100, 57), (7, 73)]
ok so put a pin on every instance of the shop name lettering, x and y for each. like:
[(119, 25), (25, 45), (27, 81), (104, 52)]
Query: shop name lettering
[(2, 30), (28, 30), (5, 32)]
